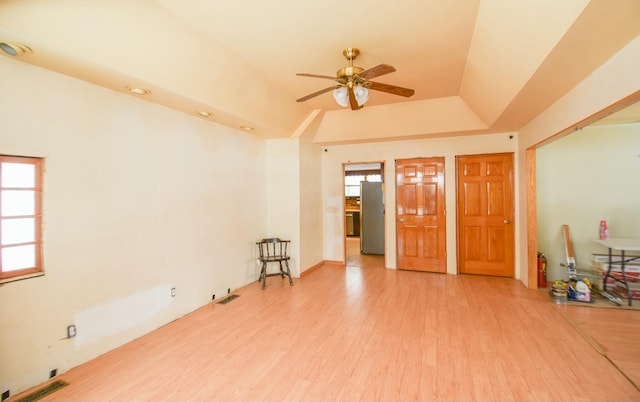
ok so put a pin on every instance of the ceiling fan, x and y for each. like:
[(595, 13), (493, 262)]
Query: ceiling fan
[(353, 83)]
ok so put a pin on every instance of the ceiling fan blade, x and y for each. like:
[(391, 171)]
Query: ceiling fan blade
[(392, 89), (377, 71), (353, 102), (316, 76), (320, 92)]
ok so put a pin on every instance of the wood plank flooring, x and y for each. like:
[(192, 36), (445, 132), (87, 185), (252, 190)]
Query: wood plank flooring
[(366, 333), (613, 332), (355, 259)]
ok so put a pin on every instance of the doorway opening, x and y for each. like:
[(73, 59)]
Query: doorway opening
[(364, 240)]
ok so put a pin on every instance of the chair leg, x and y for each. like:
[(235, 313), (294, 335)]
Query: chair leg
[(263, 274), (286, 263)]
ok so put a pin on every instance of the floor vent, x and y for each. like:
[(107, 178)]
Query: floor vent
[(44, 391), (228, 299)]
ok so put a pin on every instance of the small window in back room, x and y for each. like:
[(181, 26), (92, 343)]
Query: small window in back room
[(352, 183), (20, 217)]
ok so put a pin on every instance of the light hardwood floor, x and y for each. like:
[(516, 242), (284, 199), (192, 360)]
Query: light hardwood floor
[(355, 259), (362, 332)]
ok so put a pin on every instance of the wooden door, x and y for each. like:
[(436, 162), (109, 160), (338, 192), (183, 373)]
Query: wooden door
[(420, 215), (485, 214)]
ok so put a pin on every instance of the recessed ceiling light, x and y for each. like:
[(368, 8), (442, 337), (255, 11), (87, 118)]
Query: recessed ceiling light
[(14, 49), (139, 91), (246, 128), (204, 113)]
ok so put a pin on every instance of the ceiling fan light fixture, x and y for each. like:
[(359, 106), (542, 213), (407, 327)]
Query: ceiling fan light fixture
[(361, 93), (341, 96)]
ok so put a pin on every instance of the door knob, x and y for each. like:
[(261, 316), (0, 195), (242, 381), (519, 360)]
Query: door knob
[(506, 221)]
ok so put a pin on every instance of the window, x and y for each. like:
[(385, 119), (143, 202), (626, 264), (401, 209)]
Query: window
[(20, 216), (352, 183)]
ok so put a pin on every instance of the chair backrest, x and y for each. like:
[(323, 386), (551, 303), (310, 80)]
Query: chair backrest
[(273, 248)]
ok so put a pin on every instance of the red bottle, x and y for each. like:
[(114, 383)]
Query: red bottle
[(604, 230)]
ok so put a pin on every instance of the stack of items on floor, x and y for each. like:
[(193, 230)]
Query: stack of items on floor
[(600, 263), (574, 289)]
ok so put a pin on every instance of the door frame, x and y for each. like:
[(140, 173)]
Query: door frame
[(344, 197)]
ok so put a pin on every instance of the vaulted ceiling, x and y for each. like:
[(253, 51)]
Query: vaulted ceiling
[(477, 66)]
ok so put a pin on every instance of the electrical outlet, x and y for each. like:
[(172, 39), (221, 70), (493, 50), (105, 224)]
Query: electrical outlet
[(71, 331), (173, 292)]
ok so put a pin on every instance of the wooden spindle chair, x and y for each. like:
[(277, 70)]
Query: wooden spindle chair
[(274, 250)]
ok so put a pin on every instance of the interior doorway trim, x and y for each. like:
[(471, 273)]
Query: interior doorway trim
[(359, 167), (531, 186)]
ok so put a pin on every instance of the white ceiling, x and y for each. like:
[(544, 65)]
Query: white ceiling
[(476, 66)]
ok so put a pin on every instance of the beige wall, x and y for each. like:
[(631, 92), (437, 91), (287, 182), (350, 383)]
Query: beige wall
[(283, 195), (311, 234), (137, 199), (294, 199), (587, 176), (388, 152)]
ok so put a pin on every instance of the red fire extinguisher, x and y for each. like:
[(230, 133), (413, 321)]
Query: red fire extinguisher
[(542, 271)]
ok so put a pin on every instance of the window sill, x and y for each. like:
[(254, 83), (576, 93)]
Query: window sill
[(21, 277)]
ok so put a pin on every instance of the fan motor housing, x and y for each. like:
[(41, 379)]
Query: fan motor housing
[(348, 72)]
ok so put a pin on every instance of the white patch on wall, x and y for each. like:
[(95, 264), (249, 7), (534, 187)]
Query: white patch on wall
[(115, 316)]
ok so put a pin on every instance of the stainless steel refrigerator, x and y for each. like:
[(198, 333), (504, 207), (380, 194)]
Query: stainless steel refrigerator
[(371, 218)]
